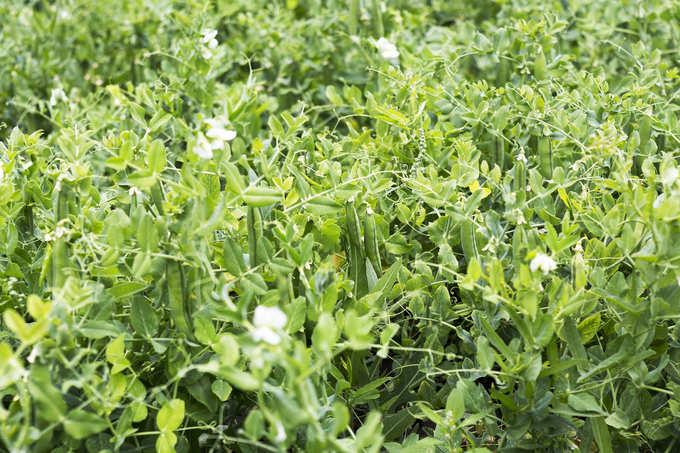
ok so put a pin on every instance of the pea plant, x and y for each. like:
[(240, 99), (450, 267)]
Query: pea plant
[(343, 225)]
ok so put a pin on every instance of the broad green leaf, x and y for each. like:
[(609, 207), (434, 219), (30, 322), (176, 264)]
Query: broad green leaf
[(170, 416), (81, 424)]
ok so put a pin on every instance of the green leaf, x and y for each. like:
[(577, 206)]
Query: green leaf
[(51, 405), (143, 318), (156, 158), (170, 416), (222, 389), (583, 402), (81, 424), (115, 354), (456, 404)]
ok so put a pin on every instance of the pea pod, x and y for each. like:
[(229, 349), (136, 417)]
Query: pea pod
[(499, 156), (544, 152), (157, 197), (645, 130), (175, 287), (357, 259), (353, 17), (519, 181), (376, 17), (253, 221), (645, 133), (60, 261), (468, 241), (371, 244)]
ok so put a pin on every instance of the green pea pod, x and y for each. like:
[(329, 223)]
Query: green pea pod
[(254, 226), (645, 130), (60, 261), (157, 197), (371, 244), (518, 241), (177, 296), (467, 239), (353, 17), (645, 133), (503, 72), (545, 156), (519, 182), (500, 152), (357, 263), (376, 17)]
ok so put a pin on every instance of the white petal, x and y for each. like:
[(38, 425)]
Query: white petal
[(203, 148), (206, 53), (221, 134), (271, 317), (216, 144), (266, 334), (390, 54), (208, 35), (212, 43)]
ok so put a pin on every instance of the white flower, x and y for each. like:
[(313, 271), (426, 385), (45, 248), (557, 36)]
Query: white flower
[(209, 41), (134, 191), (57, 95), (209, 38), (670, 175), (56, 234), (387, 49), (522, 158), (267, 321), (217, 134), (2, 174), (542, 262), (280, 432), (203, 148), (660, 199), (220, 133)]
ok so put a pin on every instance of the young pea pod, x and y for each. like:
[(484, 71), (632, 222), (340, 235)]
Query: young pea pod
[(175, 287), (157, 197), (60, 261), (254, 223), (645, 130), (371, 243), (544, 152), (353, 17), (519, 181), (499, 156), (645, 133), (467, 239), (376, 18), (357, 258)]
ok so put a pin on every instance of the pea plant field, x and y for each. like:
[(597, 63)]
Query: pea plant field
[(395, 226)]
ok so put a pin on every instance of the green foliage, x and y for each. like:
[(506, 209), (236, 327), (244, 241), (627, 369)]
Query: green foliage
[(257, 226)]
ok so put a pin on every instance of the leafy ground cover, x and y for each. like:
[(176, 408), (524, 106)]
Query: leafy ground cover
[(305, 225)]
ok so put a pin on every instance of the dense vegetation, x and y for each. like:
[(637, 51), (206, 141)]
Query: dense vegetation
[(342, 225)]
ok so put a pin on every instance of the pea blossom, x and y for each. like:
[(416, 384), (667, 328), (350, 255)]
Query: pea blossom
[(542, 262), (57, 95), (268, 321), (209, 41), (214, 138), (387, 49)]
